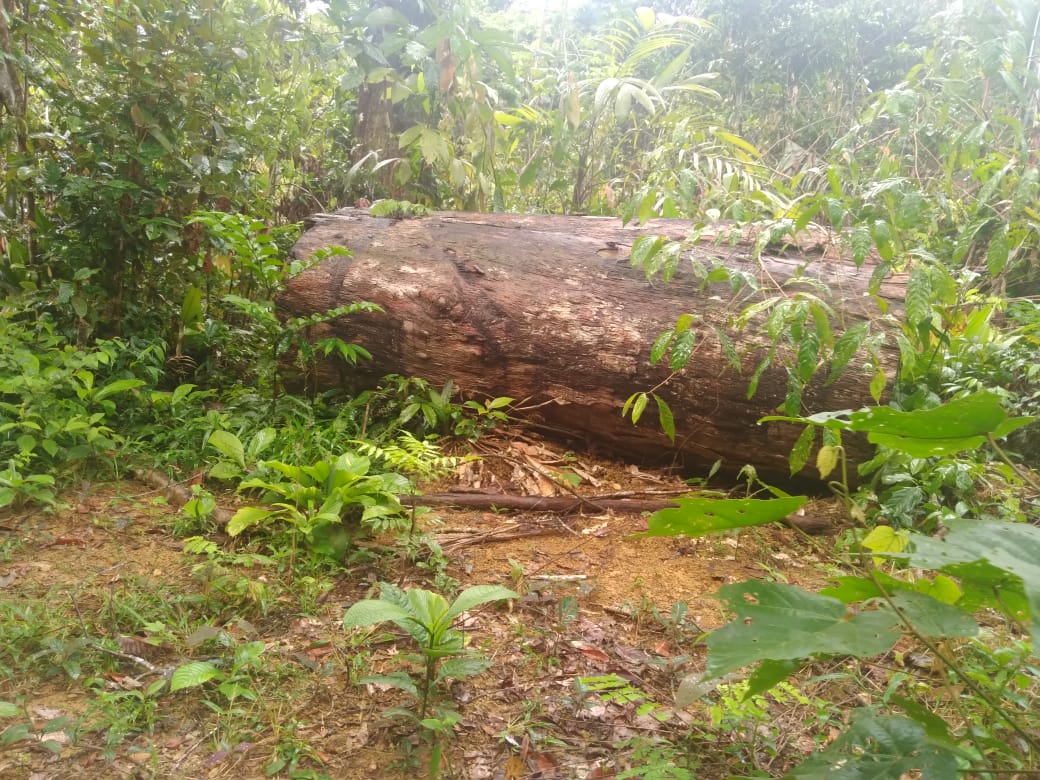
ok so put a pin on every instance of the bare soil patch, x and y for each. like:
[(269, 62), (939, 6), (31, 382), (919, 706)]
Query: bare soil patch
[(596, 602)]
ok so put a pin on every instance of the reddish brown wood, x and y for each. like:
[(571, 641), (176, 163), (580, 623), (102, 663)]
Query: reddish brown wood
[(548, 309), (576, 504)]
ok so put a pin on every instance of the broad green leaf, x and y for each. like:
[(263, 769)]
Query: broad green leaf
[(434, 147), (461, 668), (530, 172), (191, 306), (372, 611), (9, 709), (952, 427), (118, 386), (1011, 547), (660, 346), (827, 460), (642, 399), (666, 418), (603, 91), (427, 608), (699, 516), (682, 348), (919, 296), (799, 455), (844, 348), (728, 350), (230, 445), (930, 617), (479, 594), (16, 732), (998, 252), (644, 248), (261, 441), (934, 725), (886, 539), (793, 398), (768, 673), (860, 240), (399, 680), (225, 470), (193, 674), (877, 384), (181, 392), (808, 352), (879, 747), (943, 588), (247, 517), (781, 622), (851, 589)]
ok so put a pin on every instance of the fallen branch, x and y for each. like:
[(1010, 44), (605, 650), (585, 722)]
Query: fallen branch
[(178, 496), (570, 505)]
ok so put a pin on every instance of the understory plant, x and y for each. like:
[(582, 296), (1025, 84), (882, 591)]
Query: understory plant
[(908, 587), (322, 505), (428, 619)]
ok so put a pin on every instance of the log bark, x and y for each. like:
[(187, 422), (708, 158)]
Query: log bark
[(548, 309)]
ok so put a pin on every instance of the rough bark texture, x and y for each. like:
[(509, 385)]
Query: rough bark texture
[(547, 309)]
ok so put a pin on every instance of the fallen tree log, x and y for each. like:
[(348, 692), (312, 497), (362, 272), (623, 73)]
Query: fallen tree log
[(810, 524), (548, 309)]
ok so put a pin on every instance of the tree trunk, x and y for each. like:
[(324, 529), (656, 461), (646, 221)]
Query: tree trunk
[(548, 310)]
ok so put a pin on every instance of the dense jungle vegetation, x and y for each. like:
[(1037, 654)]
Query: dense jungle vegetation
[(160, 157)]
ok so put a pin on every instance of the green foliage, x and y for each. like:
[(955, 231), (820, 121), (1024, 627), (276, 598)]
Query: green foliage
[(397, 209), (428, 618), (782, 622), (324, 504), (922, 442), (234, 683), (154, 152), (882, 746), (238, 458), (699, 516), (59, 404)]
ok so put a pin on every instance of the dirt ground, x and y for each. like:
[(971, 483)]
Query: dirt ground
[(596, 602)]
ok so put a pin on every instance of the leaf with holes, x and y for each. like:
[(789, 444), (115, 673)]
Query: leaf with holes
[(1011, 547), (699, 516), (802, 447), (958, 425), (781, 622), (880, 746)]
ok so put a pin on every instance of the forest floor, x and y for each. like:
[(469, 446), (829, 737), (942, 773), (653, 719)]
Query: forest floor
[(107, 571)]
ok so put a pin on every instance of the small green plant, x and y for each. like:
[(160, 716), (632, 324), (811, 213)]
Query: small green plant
[(428, 618), (17, 489), (237, 683), (614, 689), (239, 459), (22, 728), (398, 209), (196, 516), (652, 759), (324, 504), (222, 579), (488, 415)]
